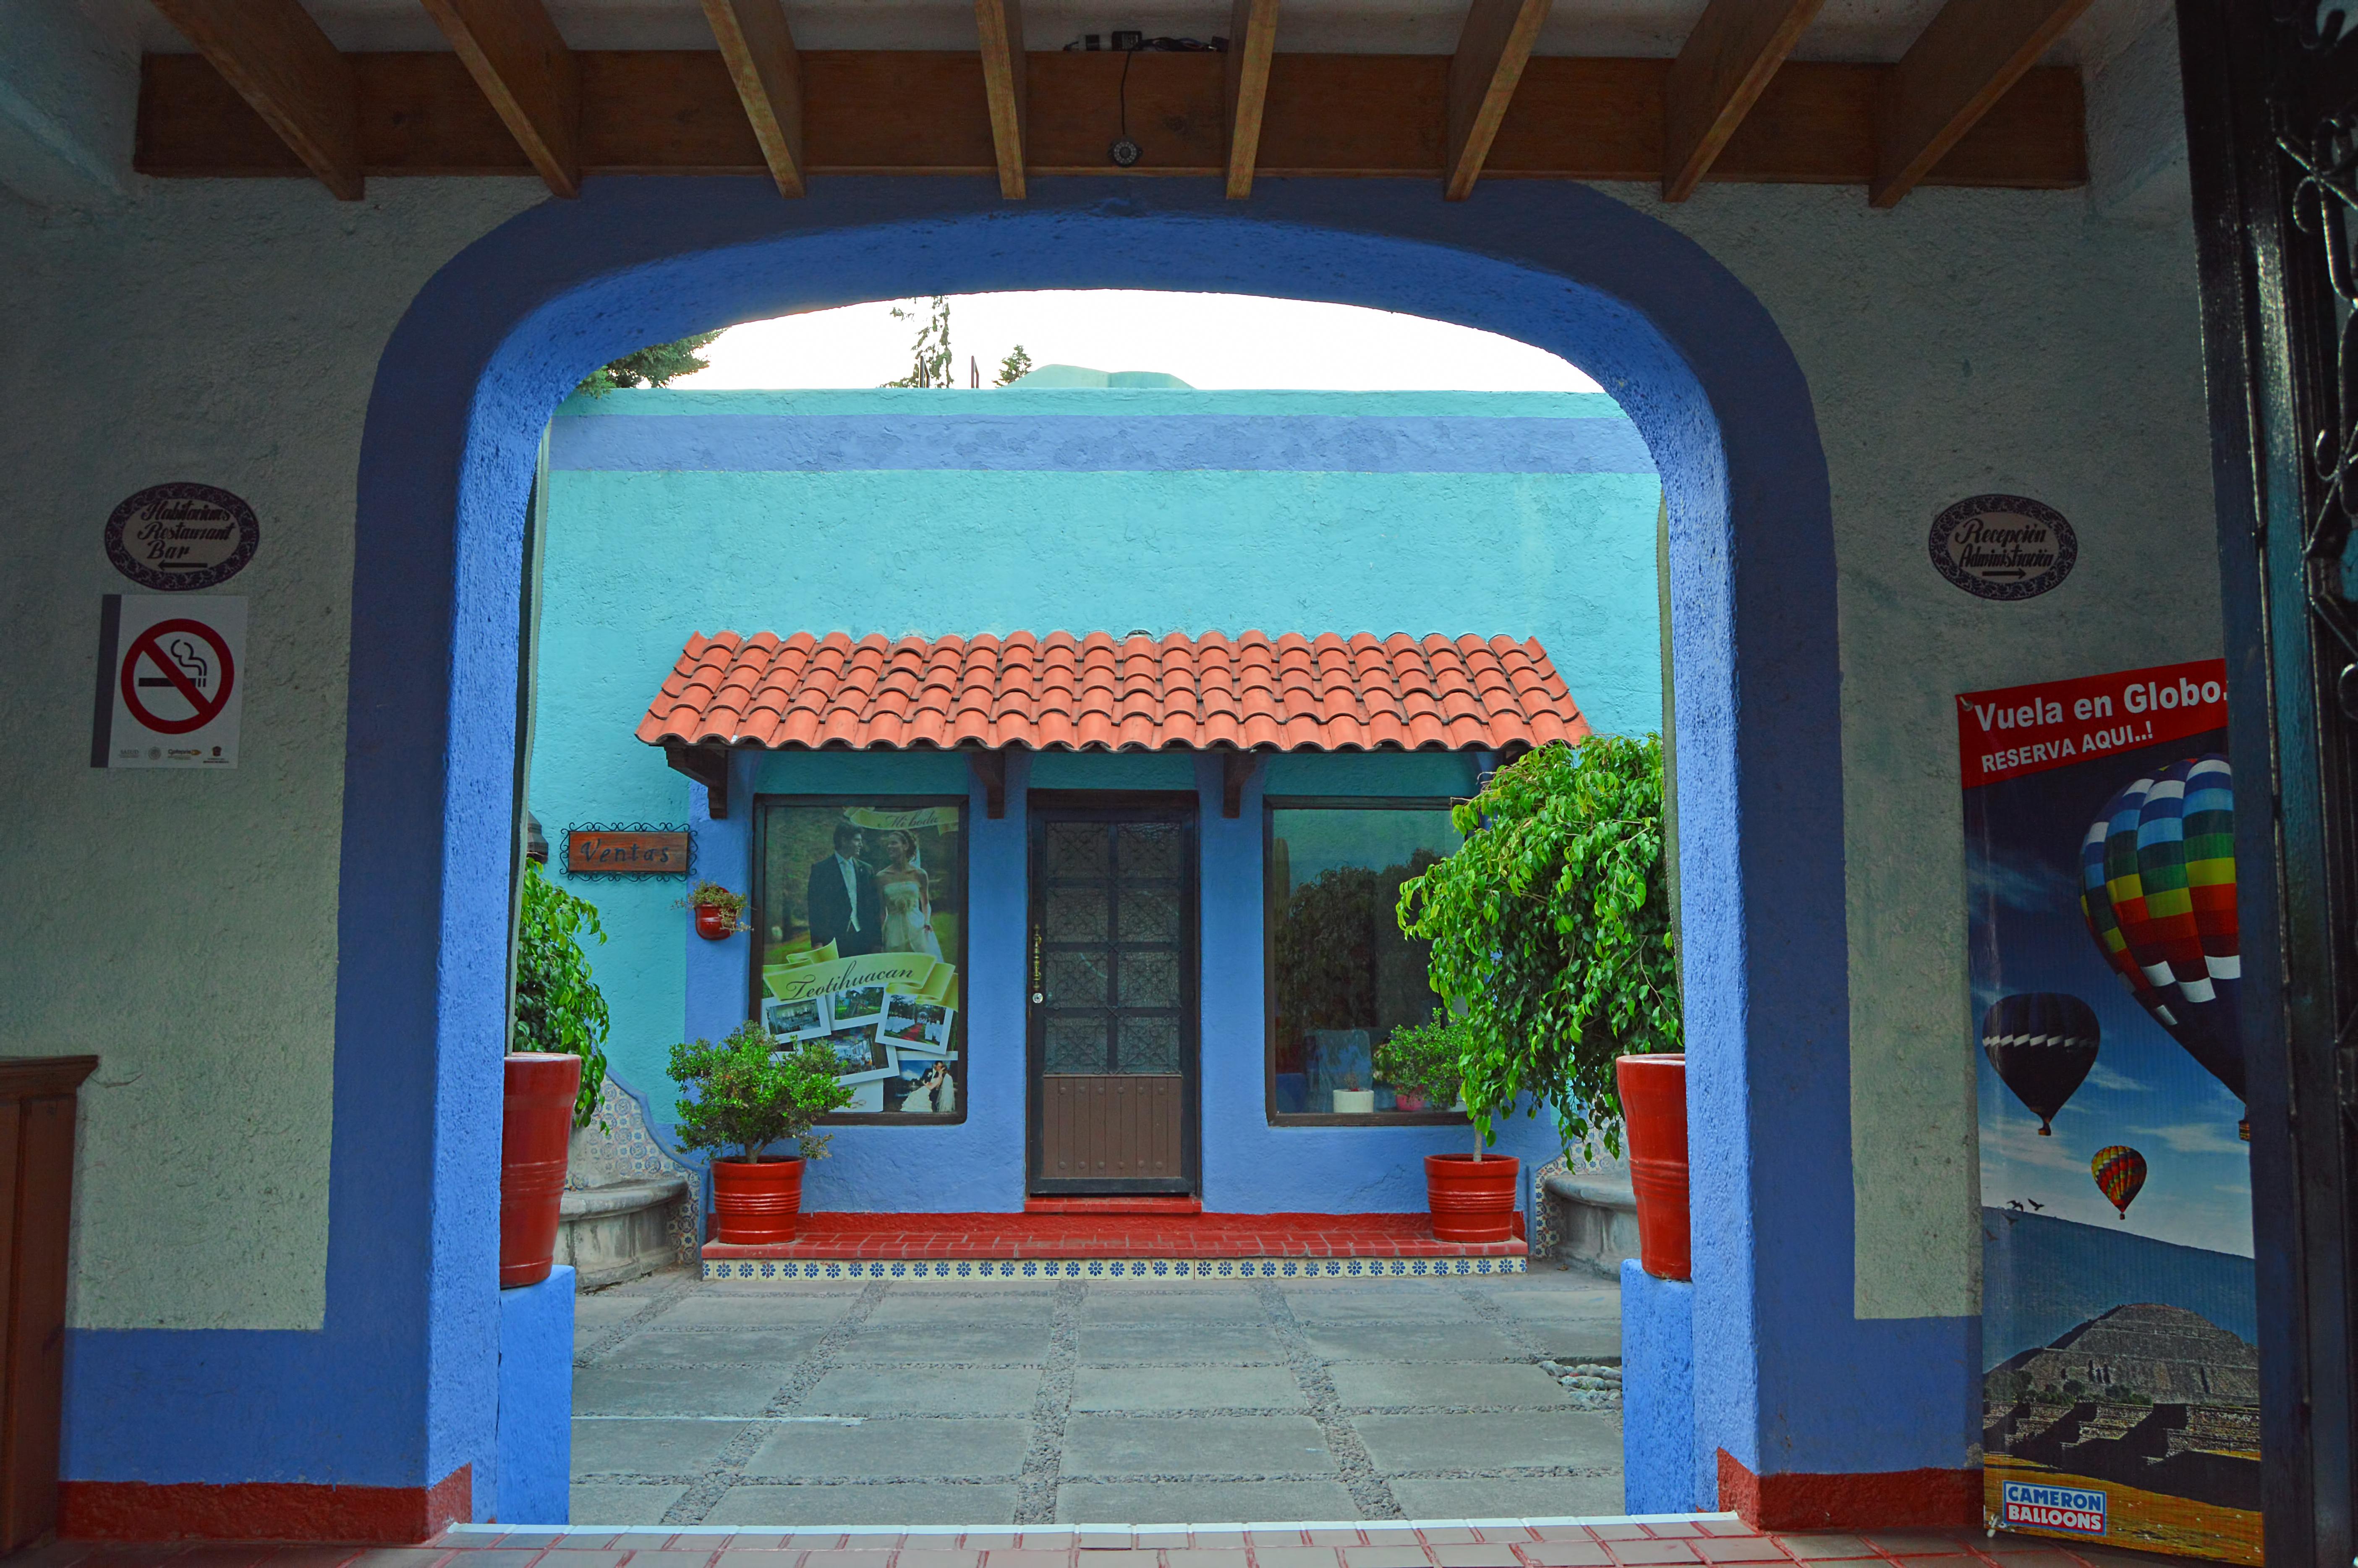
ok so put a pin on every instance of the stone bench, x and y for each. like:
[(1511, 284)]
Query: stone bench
[(629, 1208), (1589, 1217)]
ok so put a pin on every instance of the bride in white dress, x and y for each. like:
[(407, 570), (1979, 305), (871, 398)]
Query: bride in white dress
[(908, 898)]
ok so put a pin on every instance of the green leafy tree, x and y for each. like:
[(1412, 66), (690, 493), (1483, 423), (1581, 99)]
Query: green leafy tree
[(929, 356), (1551, 928), (749, 1095), (558, 1007), (1014, 366), (657, 366)]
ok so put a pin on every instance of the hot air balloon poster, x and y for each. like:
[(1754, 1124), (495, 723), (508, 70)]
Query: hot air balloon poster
[(2120, 1382)]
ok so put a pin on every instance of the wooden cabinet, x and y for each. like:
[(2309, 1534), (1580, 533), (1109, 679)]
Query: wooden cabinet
[(36, 1160)]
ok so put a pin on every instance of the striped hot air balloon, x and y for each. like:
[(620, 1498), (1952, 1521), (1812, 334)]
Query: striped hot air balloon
[(2158, 890), (2042, 1045), (2120, 1175)]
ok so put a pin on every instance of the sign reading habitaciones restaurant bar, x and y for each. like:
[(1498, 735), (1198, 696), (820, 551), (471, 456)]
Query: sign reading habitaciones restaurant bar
[(643, 854)]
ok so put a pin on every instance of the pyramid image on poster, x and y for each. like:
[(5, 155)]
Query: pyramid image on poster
[(2157, 1404)]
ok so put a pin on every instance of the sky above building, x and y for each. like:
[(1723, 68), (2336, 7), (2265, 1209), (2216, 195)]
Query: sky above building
[(1209, 341)]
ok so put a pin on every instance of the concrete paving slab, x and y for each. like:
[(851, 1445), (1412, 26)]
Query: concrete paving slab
[(1202, 1340), (653, 1447), (1245, 1446), (924, 1390), (1126, 1304), (596, 1503), (986, 1342), (1393, 1341), (725, 1306), (1361, 1384), (1546, 1497), (672, 1390), (1098, 1389), (1420, 1302), (1180, 1502), (964, 1307), (603, 1309), (923, 1503), (668, 1346), (916, 1448), (1412, 1442)]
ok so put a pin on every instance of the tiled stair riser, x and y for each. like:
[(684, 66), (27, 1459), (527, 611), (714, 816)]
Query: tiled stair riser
[(1020, 1270)]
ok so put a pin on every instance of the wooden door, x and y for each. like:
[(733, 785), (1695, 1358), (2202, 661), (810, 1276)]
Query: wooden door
[(36, 1155), (1113, 1045)]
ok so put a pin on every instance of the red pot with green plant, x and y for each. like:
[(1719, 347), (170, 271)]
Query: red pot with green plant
[(745, 1094), (1470, 1197), (719, 913), (1551, 927), (555, 1071)]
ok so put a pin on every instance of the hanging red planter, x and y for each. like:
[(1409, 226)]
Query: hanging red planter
[(534, 1133), (756, 1201), (1471, 1200), (1654, 1109), (715, 923)]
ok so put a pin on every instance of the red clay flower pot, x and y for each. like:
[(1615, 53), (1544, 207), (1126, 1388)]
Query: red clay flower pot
[(1472, 1200), (541, 1089), (756, 1201), (714, 923), (1654, 1108)]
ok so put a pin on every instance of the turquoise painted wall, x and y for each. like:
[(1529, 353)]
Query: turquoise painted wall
[(911, 511)]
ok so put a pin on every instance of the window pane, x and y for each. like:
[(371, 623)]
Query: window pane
[(1077, 850), (1149, 977), (1075, 915), (1150, 848), (1343, 977), (1076, 1044), (860, 915), (1149, 1044), (1149, 914), (1076, 979)]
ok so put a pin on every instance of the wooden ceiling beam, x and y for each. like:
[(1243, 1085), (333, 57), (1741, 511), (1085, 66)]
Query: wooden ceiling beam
[(1493, 47), (1000, 25), (760, 49), (1252, 42), (520, 60), (1964, 62), (678, 113), (279, 62), (1726, 65)]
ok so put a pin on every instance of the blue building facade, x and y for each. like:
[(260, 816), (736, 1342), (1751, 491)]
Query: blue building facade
[(901, 514)]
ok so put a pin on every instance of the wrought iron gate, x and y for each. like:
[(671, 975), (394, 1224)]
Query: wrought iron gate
[(2272, 127)]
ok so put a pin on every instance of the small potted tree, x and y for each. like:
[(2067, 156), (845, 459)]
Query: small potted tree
[(719, 913), (1551, 926), (555, 1069), (745, 1095)]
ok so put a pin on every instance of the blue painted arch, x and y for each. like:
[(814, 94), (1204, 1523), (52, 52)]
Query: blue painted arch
[(397, 1387)]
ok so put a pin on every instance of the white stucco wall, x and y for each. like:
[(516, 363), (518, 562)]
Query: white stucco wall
[(184, 925)]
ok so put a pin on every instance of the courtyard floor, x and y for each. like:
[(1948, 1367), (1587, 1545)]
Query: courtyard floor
[(894, 1403)]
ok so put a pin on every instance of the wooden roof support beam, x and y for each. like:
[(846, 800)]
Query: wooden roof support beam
[(1966, 58), (1492, 49), (1252, 39), (999, 25), (281, 63), (760, 49), (519, 60), (1736, 47)]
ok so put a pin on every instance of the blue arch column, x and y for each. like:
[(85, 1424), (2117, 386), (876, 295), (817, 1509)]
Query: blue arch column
[(397, 1392)]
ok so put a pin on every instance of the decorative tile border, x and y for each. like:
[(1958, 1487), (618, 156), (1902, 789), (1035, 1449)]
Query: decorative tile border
[(1019, 1269)]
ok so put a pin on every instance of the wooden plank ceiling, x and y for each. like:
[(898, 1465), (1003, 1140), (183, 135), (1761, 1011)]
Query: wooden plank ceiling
[(267, 94)]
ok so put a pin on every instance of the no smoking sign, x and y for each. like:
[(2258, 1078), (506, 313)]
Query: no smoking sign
[(170, 682)]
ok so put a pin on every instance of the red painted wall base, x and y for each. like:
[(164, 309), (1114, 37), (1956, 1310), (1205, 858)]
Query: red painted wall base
[(263, 1510), (1897, 1499)]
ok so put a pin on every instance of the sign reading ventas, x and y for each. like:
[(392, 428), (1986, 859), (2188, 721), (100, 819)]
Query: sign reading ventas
[(640, 852), (171, 679)]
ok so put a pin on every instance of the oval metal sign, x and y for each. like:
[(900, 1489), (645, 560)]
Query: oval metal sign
[(174, 537), (2002, 547)]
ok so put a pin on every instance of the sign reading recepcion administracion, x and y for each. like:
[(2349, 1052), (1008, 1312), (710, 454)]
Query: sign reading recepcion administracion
[(2005, 547), (171, 677)]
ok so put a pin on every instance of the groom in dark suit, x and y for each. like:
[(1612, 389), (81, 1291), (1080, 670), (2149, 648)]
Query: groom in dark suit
[(845, 907)]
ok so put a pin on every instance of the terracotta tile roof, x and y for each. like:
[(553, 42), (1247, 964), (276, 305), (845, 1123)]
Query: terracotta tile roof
[(1287, 693)]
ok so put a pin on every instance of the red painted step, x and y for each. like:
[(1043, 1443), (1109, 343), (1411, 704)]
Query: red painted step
[(1149, 1203), (851, 1235)]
